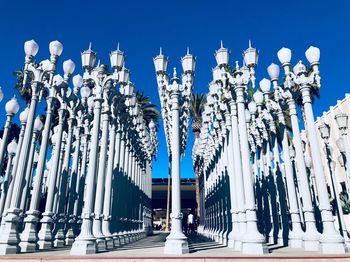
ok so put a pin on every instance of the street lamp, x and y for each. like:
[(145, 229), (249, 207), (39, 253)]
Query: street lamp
[(324, 130), (101, 82), (301, 79), (176, 242), (39, 75)]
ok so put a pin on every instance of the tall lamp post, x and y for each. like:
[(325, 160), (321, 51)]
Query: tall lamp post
[(325, 133), (99, 80), (37, 74), (176, 242), (330, 240)]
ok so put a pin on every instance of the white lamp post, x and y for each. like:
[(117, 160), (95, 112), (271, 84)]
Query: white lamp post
[(176, 242), (252, 242), (11, 150), (331, 241), (9, 237), (325, 133), (100, 80)]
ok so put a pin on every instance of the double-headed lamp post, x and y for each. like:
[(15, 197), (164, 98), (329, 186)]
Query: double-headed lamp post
[(35, 77), (99, 80), (176, 242), (302, 79)]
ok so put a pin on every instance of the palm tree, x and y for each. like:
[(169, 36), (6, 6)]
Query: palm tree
[(148, 108), (197, 107)]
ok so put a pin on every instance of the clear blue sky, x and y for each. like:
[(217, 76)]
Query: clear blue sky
[(142, 27)]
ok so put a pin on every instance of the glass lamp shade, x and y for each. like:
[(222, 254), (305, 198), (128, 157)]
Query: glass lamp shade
[(274, 71), (58, 80), (265, 85), (313, 54), (24, 115), (12, 106), (90, 102), (213, 88), (55, 48), (250, 56), (12, 147), (299, 68), (88, 58), (68, 67), (160, 63), (1, 94), (31, 48), (151, 125), (77, 80), (188, 63), (222, 56), (341, 160), (258, 97), (324, 131), (342, 120), (340, 144), (129, 89), (38, 124), (252, 107), (48, 163), (133, 100), (284, 55), (308, 161), (247, 115), (36, 156), (85, 91), (291, 151), (124, 76), (117, 58), (54, 138), (217, 74)]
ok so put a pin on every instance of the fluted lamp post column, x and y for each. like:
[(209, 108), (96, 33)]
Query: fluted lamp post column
[(176, 242), (11, 151), (252, 241), (8, 233), (324, 130), (99, 79), (46, 234), (331, 241)]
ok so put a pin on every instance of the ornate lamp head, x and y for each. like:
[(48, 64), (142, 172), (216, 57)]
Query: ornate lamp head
[(88, 58)]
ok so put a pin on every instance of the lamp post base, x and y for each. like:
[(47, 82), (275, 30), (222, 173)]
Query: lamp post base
[(332, 244), (116, 240), (83, 247), (29, 237), (311, 240), (45, 234), (101, 244), (176, 246), (8, 235), (254, 244), (254, 248)]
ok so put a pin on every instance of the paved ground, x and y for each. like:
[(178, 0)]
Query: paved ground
[(151, 249)]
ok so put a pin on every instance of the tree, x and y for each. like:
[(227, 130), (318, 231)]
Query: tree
[(197, 107), (148, 108), (198, 102)]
